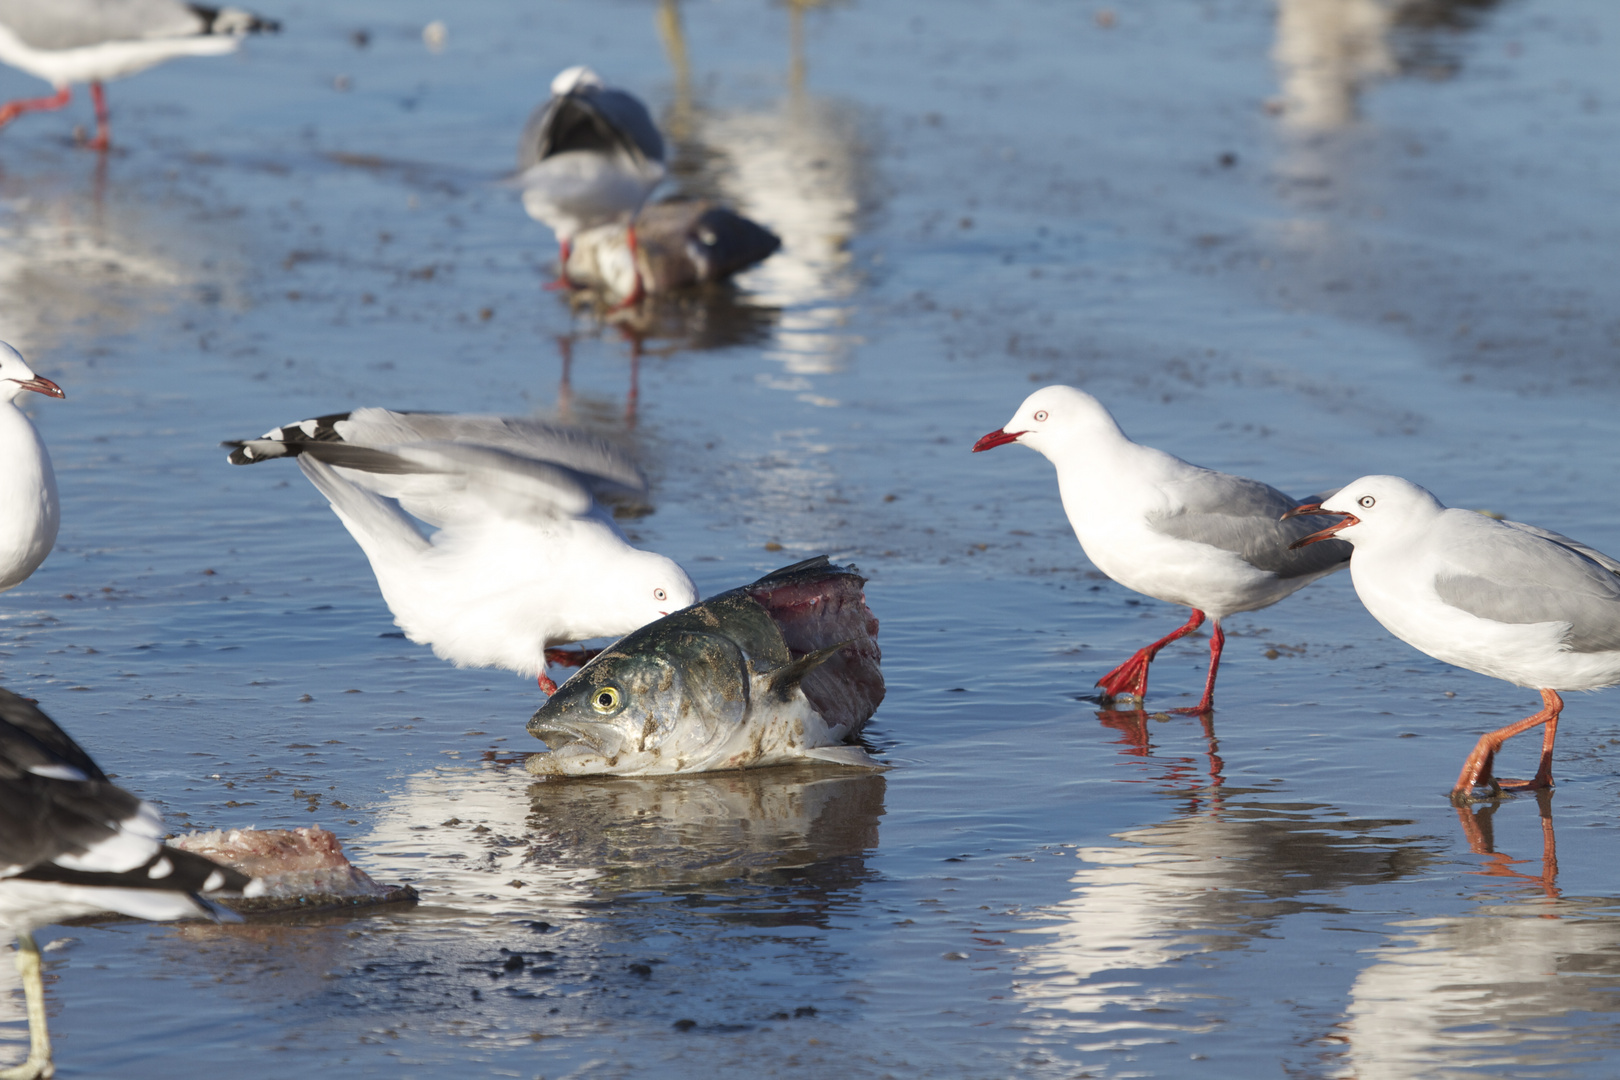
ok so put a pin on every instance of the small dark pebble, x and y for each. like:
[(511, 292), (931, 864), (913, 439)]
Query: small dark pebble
[(1227, 160), (644, 970), (539, 926), (805, 1010), (684, 1025), (515, 963)]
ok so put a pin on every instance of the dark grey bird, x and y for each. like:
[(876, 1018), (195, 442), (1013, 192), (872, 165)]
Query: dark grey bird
[(589, 156), (680, 243)]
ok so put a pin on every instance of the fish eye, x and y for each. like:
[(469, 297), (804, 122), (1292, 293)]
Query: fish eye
[(1366, 500), (660, 594), (1040, 415), (606, 699)]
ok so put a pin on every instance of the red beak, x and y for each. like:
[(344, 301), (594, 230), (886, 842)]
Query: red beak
[(1316, 508), (41, 385), (999, 437)]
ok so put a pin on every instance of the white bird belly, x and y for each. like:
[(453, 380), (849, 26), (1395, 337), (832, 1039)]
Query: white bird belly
[(1525, 654), (1200, 576), (108, 60), (31, 513), (575, 190)]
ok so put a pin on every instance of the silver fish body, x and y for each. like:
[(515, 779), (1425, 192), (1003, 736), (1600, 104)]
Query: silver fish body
[(785, 669)]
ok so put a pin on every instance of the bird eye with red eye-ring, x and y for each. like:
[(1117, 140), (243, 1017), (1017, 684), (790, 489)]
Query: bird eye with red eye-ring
[(660, 594), (1040, 415), (1366, 500)]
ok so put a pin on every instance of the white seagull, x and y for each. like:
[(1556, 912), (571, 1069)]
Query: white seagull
[(29, 514), (589, 156), (1498, 597), (1163, 527), (524, 558), (69, 41), (72, 843)]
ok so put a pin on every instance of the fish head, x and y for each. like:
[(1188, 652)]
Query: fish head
[(661, 701)]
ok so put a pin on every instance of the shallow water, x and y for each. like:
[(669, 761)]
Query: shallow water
[(1275, 243)]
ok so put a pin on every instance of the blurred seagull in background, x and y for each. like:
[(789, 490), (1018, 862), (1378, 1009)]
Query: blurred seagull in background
[(69, 41), (1165, 528), (524, 558), (1502, 598), (589, 156), (73, 843), (29, 513)]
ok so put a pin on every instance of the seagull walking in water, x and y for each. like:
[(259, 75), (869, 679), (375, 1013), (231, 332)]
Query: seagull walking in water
[(1165, 528), (93, 41), (589, 156), (73, 843), (524, 558), (1502, 598), (29, 513)]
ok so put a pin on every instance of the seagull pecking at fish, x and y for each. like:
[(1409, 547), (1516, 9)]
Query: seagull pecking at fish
[(524, 558)]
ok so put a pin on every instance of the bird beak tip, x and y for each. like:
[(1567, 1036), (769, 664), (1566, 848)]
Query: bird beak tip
[(999, 437)]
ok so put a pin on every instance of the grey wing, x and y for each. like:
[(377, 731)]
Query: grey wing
[(1605, 561), (625, 113), (73, 24), (600, 464), (535, 142), (1511, 574), (1240, 515)]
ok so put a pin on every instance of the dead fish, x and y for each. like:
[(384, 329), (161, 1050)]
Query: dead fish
[(678, 244), (785, 669)]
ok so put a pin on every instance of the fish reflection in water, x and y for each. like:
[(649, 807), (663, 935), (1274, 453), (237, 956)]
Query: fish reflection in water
[(463, 836)]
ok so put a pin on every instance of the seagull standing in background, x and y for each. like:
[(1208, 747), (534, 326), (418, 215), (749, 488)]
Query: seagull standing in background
[(73, 843), (93, 41), (1502, 598), (589, 156), (1165, 528), (29, 513), (524, 558)]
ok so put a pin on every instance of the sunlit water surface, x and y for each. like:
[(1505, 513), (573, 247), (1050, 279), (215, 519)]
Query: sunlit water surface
[(1302, 242)]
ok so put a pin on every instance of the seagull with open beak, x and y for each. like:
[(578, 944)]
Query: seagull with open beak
[(1502, 598)]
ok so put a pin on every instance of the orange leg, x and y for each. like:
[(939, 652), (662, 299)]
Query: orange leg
[(571, 657), (1130, 678), (636, 290), (1217, 642), (102, 140), (1476, 771), (565, 248), (13, 109)]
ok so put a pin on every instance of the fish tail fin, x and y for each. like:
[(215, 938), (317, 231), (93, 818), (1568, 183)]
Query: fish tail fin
[(786, 678)]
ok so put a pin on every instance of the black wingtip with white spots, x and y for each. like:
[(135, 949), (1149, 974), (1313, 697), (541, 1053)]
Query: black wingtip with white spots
[(287, 441), (234, 21)]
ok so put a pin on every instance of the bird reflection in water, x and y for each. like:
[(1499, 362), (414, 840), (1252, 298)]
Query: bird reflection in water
[(1136, 740), (1327, 51), (796, 167), (1481, 838)]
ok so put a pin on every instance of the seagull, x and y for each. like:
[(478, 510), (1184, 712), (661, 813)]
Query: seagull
[(72, 843), (69, 41), (525, 557), (589, 156), (29, 514), (1502, 598), (1163, 527)]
